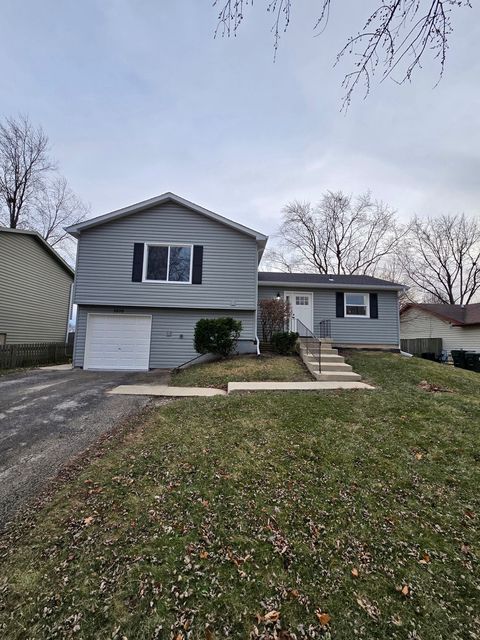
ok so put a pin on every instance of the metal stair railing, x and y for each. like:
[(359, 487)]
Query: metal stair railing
[(325, 328), (304, 332)]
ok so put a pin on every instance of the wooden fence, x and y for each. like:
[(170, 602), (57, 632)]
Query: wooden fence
[(14, 356), (417, 346)]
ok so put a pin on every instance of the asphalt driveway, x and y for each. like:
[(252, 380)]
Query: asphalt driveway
[(49, 417)]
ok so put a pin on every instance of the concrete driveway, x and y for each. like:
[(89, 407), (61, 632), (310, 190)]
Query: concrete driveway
[(47, 417)]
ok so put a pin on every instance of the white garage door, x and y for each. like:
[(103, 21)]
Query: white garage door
[(117, 342)]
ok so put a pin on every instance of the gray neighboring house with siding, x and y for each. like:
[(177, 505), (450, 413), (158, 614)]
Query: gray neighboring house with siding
[(35, 289), (147, 273)]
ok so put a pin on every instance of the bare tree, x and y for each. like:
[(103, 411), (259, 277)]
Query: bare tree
[(56, 206), (441, 257), (342, 234), (32, 194), (24, 165), (396, 36)]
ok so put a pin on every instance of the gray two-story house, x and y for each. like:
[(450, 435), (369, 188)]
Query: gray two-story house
[(147, 273)]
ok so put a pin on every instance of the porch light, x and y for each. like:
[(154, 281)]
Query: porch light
[(278, 296)]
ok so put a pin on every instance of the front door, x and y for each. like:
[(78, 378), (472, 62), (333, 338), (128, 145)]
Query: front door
[(301, 304)]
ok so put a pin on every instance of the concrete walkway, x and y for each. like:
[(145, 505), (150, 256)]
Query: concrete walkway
[(233, 387), (165, 390)]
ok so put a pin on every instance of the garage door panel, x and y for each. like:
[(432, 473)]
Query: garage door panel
[(118, 342)]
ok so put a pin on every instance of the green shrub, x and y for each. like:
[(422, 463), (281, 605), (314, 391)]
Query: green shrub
[(283, 342), (217, 335)]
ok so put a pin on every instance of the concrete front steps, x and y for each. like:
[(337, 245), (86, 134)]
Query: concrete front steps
[(333, 367)]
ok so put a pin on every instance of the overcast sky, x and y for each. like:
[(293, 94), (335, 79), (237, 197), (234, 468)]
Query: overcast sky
[(138, 98)]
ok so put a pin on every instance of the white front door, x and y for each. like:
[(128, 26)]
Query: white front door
[(116, 342), (301, 304)]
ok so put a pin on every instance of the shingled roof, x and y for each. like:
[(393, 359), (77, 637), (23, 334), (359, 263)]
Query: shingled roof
[(459, 315), (326, 280)]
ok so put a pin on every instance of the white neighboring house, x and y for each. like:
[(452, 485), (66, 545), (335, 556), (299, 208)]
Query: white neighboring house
[(457, 325)]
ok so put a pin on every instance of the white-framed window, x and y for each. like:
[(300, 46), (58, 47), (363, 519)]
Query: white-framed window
[(167, 263), (302, 300), (357, 305)]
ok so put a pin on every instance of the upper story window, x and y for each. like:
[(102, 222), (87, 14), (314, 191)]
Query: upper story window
[(167, 263), (357, 304)]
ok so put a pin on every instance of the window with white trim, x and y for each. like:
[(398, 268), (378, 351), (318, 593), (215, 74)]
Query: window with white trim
[(167, 263), (357, 305), (301, 301)]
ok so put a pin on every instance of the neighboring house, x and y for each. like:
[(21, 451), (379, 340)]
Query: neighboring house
[(147, 273), (457, 325), (35, 289)]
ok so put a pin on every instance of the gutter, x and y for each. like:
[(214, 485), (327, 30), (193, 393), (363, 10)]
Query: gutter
[(337, 286)]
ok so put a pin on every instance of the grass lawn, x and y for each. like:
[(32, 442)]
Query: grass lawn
[(296, 515), (243, 369)]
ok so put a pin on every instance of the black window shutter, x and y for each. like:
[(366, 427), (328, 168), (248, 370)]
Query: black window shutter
[(137, 267), (197, 265), (340, 304), (374, 305)]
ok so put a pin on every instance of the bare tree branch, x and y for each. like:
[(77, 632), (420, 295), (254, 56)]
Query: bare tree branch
[(340, 235), (56, 206), (396, 36), (24, 165), (441, 257)]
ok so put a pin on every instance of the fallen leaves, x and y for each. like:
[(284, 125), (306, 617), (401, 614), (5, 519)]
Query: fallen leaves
[(88, 521), (271, 616), (323, 618), (355, 572), (426, 559), (369, 607), (432, 388)]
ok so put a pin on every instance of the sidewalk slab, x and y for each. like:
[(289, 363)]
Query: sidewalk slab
[(165, 390), (235, 387)]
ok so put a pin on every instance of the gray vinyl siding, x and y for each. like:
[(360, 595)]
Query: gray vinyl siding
[(105, 255), (172, 332), (384, 330), (34, 292)]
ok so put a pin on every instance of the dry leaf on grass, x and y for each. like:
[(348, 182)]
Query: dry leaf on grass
[(371, 609), (209, 635), (271, 616), (323, 618), (405, 591), (426, 559), (355, 573), (88, 521)]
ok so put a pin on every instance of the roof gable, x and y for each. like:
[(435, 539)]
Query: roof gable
[(76, 229), (44, 244)]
